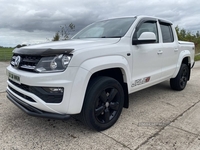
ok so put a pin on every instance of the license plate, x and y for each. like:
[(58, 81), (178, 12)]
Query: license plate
[(14, 77)]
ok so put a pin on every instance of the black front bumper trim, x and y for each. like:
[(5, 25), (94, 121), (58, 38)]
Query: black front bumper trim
[(30, 110)]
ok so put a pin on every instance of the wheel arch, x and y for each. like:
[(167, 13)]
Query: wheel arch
[(187, 61), (117, 74), (184, 58), (116, 67)]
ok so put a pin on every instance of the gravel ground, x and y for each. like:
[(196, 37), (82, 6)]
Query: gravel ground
[(158, 118)]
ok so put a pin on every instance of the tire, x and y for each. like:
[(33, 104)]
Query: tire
[(103, 103), (179, 82)]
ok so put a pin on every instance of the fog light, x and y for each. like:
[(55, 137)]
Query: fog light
[(54, 89)]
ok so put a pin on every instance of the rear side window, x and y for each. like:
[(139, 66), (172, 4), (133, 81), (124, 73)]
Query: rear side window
[(167, 33)]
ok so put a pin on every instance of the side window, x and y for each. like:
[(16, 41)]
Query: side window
[(167, 33), (148, 26)]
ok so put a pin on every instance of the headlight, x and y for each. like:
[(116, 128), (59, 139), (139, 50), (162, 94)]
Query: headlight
[(53, 64)]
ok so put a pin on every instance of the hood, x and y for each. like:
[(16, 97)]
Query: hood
[(65, 47)]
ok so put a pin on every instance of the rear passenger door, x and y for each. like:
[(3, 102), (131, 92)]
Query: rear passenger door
[(170, 51)]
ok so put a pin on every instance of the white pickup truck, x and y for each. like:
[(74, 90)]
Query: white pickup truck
[(92, 74)]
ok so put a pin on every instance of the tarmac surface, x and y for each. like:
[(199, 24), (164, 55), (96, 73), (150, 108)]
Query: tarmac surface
[(158, 119)]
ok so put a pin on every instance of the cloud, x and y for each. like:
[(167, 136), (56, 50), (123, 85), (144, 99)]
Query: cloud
[(29, 18)]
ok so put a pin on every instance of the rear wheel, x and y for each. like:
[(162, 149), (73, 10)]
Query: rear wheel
[(179, 82), (103, 103)]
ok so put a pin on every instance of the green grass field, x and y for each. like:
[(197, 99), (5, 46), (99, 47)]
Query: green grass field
[(197, 57), (5, 54)]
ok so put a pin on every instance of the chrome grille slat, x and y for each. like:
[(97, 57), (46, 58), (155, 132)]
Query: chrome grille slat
[(28, 63), (28, 67)]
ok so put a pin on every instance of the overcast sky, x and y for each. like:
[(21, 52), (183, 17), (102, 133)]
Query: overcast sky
[(35, 21)]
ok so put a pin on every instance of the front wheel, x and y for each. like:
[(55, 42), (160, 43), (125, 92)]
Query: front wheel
[(103, 103), (179, 82)]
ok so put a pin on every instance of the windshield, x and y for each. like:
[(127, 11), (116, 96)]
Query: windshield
[(113, 28)]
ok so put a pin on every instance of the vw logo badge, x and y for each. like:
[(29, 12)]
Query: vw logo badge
[(17, 61)]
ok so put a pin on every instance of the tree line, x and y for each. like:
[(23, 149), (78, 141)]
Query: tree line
[(184, 35)]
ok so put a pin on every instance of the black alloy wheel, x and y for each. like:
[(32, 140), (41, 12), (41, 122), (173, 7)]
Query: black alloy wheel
[(103, 103), (107, 105), (180, 81)]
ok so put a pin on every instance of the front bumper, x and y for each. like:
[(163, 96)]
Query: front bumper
[(34, 111), (25, 93), (73, 81)]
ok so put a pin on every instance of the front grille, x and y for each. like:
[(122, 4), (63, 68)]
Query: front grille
[(27, 63)]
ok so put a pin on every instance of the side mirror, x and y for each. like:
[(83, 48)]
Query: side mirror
[(145, 38)]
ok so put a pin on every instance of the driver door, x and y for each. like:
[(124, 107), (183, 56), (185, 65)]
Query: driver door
[(147, 62)]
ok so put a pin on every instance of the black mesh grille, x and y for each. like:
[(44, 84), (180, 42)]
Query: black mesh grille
[(27, 63)]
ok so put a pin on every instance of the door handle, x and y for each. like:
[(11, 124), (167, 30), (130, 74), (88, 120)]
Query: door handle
[(159, 52), (176, 49)]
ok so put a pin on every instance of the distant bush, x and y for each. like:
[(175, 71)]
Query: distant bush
[(184, 35)]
